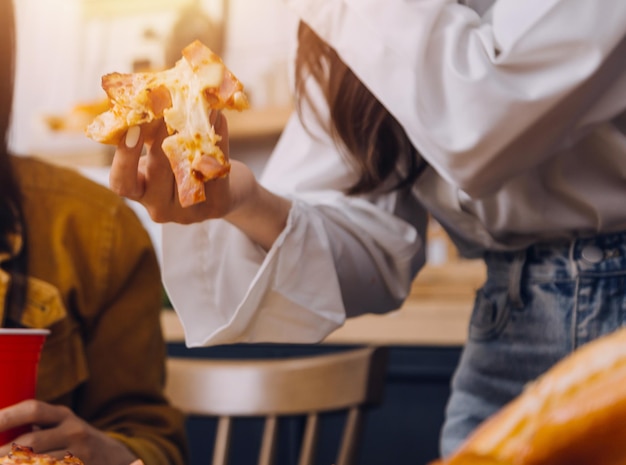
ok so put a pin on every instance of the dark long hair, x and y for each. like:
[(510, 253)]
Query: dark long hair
[(10, 198), (376, 143)]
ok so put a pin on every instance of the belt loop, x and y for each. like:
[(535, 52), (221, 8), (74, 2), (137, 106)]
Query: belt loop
[(515, 280)]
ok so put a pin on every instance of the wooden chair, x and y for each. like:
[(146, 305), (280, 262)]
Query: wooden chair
[(271, 388)]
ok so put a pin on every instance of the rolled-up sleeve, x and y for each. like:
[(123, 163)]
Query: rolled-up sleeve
[(483, 98), (338, 256)]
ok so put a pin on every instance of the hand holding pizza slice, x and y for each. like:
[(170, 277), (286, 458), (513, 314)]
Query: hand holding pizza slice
[(183, 96)]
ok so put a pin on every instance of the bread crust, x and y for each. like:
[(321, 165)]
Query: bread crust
[(574, 414)]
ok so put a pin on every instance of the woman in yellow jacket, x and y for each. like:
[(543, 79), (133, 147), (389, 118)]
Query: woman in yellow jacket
[(75, 259)]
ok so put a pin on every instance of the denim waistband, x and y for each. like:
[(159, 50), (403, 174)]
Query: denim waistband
[(601, 255)]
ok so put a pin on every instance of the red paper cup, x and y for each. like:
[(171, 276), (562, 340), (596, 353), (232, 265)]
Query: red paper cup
[(19, 358)]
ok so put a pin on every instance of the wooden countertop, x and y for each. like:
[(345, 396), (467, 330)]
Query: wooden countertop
[(435, 314), (257, 122)]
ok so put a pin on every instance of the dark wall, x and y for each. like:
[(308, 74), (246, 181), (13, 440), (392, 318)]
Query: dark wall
[(402, 430)]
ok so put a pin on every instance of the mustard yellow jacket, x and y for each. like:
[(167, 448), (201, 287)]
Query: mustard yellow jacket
[(95, 283)]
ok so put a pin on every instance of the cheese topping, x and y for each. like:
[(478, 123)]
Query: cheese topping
[(183, 96)]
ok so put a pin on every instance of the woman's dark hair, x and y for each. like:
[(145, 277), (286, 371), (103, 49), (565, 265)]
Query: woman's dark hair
[(10, 198), (376, 142)]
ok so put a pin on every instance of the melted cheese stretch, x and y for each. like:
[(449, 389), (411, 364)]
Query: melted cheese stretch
[(189, 114)]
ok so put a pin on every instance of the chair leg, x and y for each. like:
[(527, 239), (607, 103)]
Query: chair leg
[(222, 441), (309, 441), (268, 443), (350, 438)]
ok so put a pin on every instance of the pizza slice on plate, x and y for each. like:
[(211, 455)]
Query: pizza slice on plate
[(183, 96)]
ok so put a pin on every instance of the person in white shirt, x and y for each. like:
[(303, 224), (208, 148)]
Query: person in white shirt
[(505, 120)]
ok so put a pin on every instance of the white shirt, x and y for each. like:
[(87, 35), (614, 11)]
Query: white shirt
[(516, 105)]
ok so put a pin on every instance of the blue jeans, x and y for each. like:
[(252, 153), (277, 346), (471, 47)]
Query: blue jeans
[(536, 307)]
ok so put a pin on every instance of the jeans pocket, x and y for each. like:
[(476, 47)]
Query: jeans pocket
[(490, 315)]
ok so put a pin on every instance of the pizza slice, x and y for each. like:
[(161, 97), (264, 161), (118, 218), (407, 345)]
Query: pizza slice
[(24, 455), (183, 96)]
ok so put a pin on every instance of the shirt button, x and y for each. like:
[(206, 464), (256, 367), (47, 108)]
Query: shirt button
[(592, 254)]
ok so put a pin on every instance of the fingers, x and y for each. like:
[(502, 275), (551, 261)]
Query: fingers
[(150, 179), (160, 185), (153, 134), (125, 178), (132, 136), (17, 415), (30, 412)]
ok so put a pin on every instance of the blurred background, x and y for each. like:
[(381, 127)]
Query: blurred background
[(65, 46)]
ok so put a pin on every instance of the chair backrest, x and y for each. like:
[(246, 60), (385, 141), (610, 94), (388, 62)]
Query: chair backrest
[(309, 386)]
